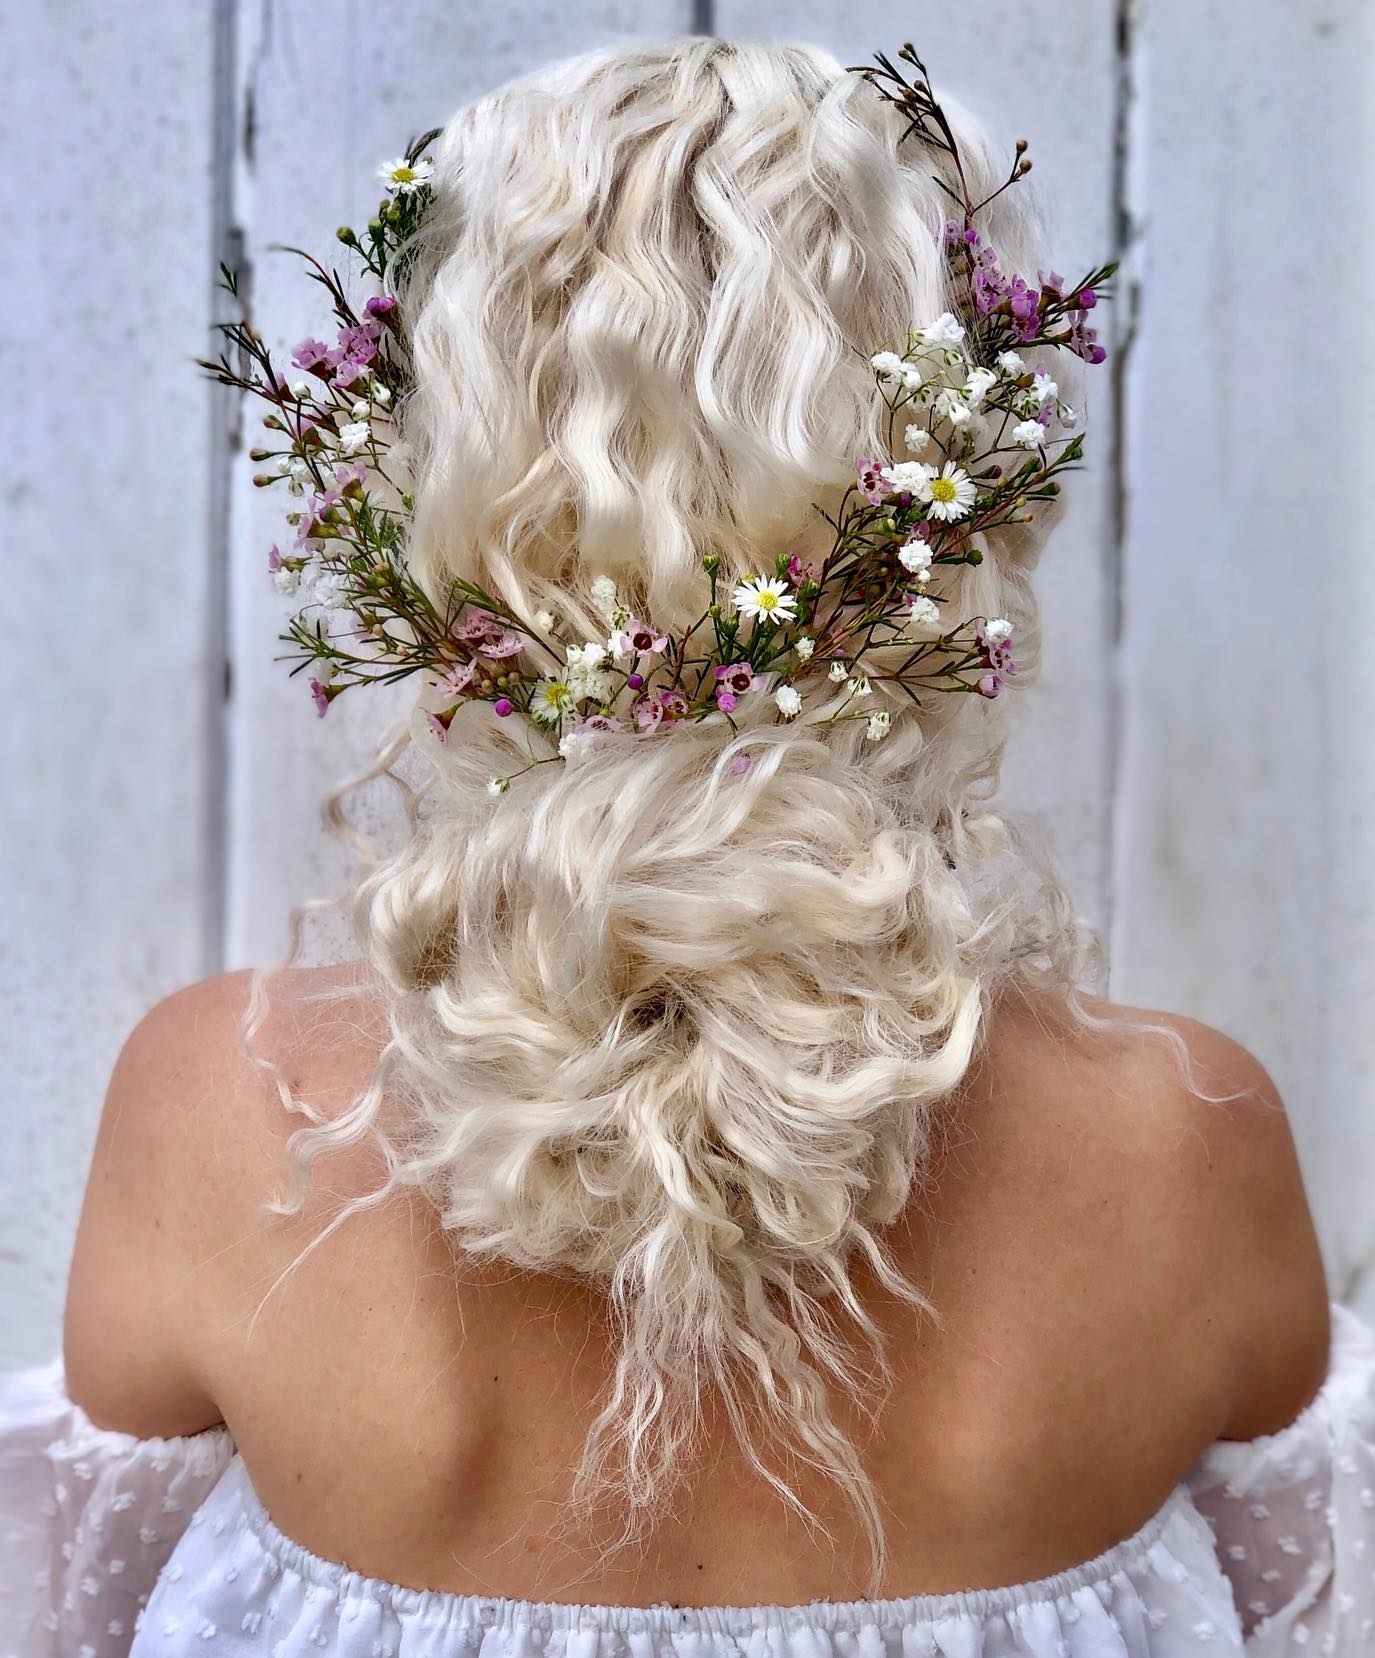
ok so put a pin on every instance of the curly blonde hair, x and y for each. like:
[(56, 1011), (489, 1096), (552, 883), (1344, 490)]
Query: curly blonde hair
[(683, 1030)]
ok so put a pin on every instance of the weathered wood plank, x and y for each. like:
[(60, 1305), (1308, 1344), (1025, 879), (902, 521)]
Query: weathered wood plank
[(1248, 808), (111, 672)]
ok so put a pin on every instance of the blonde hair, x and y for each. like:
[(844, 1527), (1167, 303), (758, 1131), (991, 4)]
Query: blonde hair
[(681, 1029)]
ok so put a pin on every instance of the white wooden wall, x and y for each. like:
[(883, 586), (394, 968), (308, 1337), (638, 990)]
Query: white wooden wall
[(1200, 741)]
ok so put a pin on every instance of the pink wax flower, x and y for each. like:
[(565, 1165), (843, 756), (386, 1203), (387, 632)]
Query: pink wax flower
[(439, 723), (309, 354), (346, 477), (739, 764), (636, 682), (725, 701), (323, 695), (872, 484), (502, 644), (647, 713), (674, 704), (458, 678), (798, 572), (380, 305), (476, 624), (274, 558), (502, 707), (738, 677), (348, 371)]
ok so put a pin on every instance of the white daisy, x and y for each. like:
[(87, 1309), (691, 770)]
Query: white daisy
[(917, 439), (913, 475), (765, 601), (946, 330), (804, 648), (916, 557), (950, 495), (925, 612), (550, 701), (354, 436), (788, 700), (403, 177), (1011, 364), (1029, 434), (498, 785), (879, 721)]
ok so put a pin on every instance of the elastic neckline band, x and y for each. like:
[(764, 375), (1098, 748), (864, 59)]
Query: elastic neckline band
[(498, 1611)]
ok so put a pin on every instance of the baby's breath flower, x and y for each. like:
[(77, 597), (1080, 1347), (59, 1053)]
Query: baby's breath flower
[(498, 785), (860, 686), (913, 475), (803, 646), (1029, 434), (837, 672), (1011, 364), (917, 439), (888, 365), (544, 620), (915, 556), (946, 330), (789, 701), (354, 436), (925, 612), (997, 629), (879, 721), (604, 593)]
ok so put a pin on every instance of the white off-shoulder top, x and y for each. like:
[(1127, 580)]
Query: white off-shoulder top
[(160, 1548)]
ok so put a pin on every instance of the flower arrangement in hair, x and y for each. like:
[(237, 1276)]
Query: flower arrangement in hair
[(978, 437)]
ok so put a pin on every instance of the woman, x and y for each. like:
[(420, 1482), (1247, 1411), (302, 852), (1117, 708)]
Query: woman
[(718, 1221)]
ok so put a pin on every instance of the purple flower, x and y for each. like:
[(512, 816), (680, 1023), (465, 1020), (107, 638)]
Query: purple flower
[(739, 764), (954, 233), (647, 713), (642, 639), (380, 305), (309, 354), (738, 677), (798, 572), (274, 558), (1052, 282), (1086, 299), (674, 704), (323, 695), (990, 684), (360, 341), (635, 681), (502, 707), (599, 722), (725, 701), (345, 477), (439, 723)]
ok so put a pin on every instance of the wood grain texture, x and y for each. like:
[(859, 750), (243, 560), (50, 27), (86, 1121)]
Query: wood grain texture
[(111, 672), (1247, 812)]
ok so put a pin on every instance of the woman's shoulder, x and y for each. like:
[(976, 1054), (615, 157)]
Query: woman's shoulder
[(190, 1145), (1178, 1155)]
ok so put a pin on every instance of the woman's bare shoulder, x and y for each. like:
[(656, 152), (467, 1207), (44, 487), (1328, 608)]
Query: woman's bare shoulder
[(190, 1145), (1188, 1132)]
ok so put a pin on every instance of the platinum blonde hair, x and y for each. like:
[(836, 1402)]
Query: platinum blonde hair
[(685, 1031)]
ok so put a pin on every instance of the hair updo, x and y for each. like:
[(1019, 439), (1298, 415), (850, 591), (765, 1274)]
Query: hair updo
[(678, 1027)]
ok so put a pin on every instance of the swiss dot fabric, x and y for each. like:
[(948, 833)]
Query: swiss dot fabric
[(116, 1547)]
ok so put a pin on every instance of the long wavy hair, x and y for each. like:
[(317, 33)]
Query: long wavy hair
[(682, 1031)]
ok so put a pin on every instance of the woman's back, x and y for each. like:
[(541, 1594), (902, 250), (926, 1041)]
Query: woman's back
[(1123, 1275)]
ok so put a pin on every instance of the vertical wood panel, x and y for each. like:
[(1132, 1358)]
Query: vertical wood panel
[(333, 92), (1248, 810), (1057, 88), (107, 677)]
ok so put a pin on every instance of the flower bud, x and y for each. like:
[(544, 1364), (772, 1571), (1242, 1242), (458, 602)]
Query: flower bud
[(711, 563), (347, 236), (973, 556)]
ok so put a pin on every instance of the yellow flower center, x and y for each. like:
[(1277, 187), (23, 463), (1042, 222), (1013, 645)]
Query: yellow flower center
[(766, 600), (403, 175), (943, 489)]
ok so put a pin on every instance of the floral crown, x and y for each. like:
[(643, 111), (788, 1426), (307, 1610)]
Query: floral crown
[(985, 436)]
